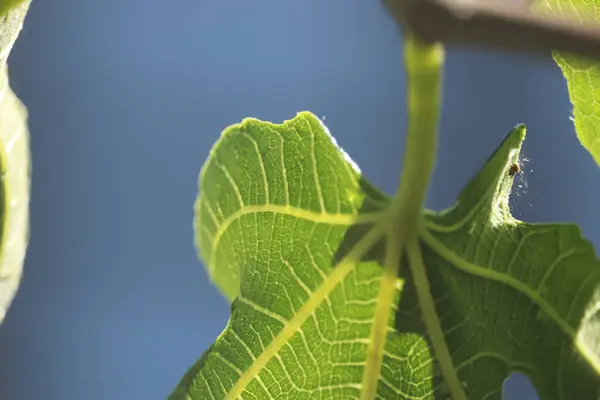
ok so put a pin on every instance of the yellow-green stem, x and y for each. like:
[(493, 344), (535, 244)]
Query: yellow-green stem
[(388, 288), (423, 66), (432, 322), (423, 62)]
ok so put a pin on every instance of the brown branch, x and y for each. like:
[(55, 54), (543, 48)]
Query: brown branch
[(495, 25)]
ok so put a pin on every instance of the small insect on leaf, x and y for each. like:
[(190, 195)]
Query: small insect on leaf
[(514, 169)]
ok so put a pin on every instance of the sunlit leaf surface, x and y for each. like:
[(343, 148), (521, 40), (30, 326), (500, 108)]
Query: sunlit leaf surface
[(14, 169), (294, 236), (582, 74)]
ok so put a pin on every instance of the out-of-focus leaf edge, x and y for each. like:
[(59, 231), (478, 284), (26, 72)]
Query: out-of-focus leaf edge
[(15, 160)]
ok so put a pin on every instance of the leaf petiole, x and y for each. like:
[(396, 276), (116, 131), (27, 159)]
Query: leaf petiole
[(423, 63), (432, 322)]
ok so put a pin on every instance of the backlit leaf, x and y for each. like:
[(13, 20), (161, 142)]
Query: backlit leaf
[(582, 74), (14, 169), (295, 237), (7, 5)]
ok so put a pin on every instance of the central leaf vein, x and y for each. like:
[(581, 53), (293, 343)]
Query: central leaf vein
[(339, 272), (508, 280)]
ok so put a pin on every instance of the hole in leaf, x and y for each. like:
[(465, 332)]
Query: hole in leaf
[(518, 387)]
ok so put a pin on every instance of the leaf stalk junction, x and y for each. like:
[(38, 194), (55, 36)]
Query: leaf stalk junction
[(423, 63)]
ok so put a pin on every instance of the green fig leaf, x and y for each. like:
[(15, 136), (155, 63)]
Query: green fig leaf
[(295, 238)]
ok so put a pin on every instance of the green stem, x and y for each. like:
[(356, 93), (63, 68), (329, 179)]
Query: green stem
[(388, 289), (432, 322), (423, 63)]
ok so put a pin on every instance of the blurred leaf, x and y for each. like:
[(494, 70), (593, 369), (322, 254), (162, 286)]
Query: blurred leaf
[(295, 237), (6, 5), (582, 74), (14, 169)]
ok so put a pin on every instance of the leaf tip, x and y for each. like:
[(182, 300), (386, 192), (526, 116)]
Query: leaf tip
[(521, 131), (513, 138), (490, 188)]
